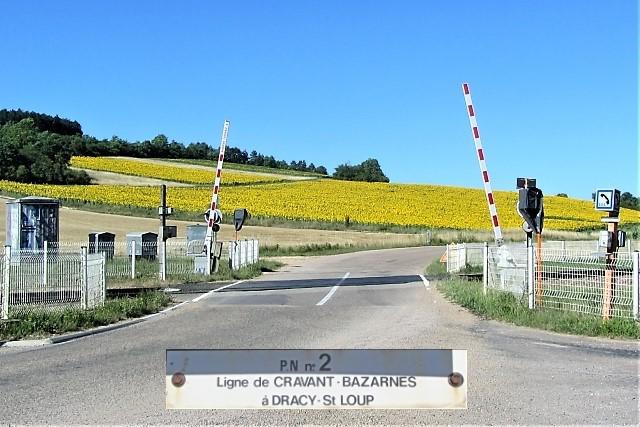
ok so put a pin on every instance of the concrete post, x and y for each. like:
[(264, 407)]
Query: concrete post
[(45, 270), (163, 260), (448, 257), (133, 259), (530, 275), (209, 258), (257, 250), (636, 283), (485, 267), (464, 256)]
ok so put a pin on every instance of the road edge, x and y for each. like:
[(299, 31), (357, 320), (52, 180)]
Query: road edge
[(105, 328)]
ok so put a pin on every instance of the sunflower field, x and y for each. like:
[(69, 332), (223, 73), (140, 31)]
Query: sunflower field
[(334, 201)]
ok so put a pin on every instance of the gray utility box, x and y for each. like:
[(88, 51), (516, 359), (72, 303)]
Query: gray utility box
[(102, 242), (31, 221), (146, 244), (196, 232), (195, 238)]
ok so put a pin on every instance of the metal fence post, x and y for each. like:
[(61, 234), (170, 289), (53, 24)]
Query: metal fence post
[(530, 276), (636, 283), (133, 259), (45, 270), (103, 278), (485, 267), (5, 282), (85, 277)]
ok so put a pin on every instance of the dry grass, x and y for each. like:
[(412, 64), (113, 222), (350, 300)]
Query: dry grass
[(75, 225)]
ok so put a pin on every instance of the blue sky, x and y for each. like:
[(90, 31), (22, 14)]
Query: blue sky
[(554, 83)]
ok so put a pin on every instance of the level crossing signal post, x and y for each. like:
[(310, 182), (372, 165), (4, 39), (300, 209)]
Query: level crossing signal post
[(530, 207)]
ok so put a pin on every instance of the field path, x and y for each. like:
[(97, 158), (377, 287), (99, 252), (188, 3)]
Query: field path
[(112, 178)]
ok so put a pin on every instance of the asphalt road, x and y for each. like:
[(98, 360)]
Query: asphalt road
[(516, 375)]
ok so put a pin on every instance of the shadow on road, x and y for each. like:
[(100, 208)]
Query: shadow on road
[(271, 285)]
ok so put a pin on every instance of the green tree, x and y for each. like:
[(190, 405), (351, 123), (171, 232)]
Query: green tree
[(37, 157), (369, 171)]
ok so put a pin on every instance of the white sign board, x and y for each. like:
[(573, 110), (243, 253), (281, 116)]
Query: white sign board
[(316, 379), (607, 200)]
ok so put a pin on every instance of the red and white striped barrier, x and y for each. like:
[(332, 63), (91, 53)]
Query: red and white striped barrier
[(216, 185), (483, 165)]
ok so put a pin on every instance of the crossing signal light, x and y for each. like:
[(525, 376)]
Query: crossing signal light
[(530, 204), (239, 218)]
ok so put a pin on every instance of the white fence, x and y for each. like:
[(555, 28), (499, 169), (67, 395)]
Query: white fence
[(563, 279), (242, 253), (41, 280), (471, 254), (125, 261), (463, 254)]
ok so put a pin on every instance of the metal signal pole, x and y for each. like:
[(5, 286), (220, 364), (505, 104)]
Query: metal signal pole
[(483, 165)]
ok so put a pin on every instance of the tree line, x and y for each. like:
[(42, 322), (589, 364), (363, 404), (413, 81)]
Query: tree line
[(37, 148), (42, 122)]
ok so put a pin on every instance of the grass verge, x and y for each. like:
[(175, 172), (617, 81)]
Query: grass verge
[(224, 273), (507, 307), (38, 323)]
